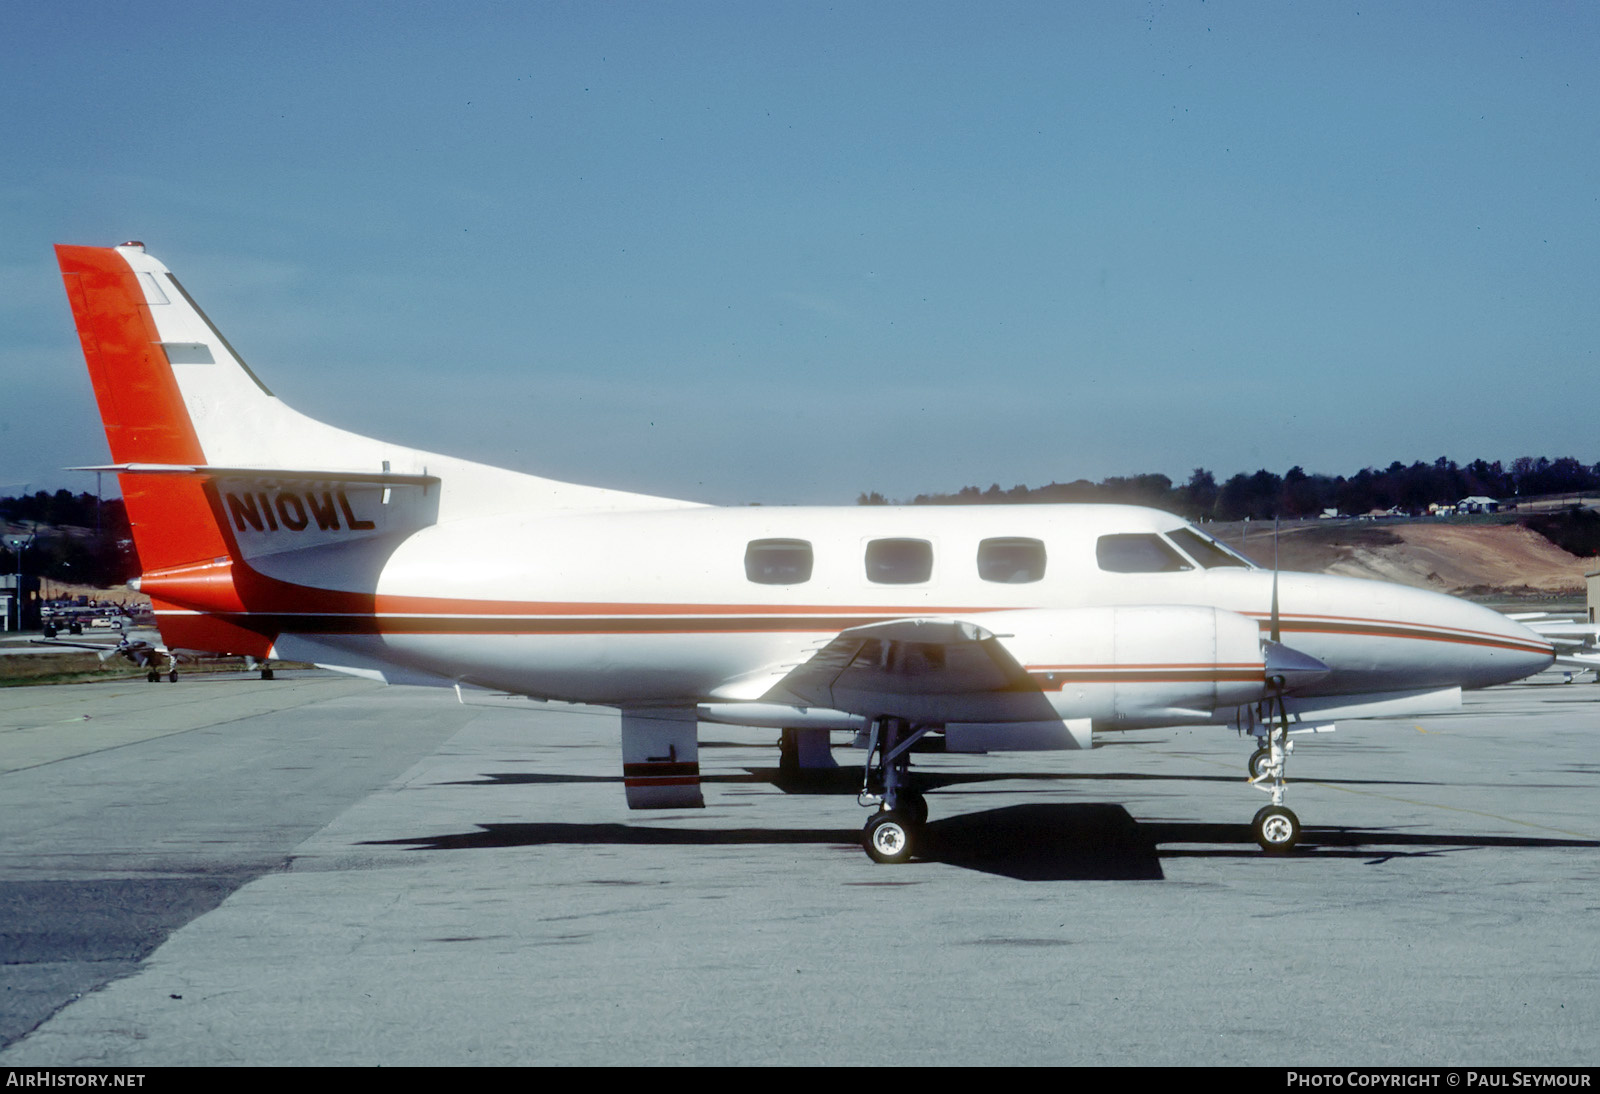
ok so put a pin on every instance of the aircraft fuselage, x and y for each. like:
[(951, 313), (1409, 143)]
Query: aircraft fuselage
[(653, 606)]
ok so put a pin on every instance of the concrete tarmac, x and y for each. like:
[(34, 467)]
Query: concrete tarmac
[(319, 871)]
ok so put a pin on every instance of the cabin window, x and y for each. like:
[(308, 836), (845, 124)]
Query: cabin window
[(1011, 561), (1138, 553), (899, 561), (1205, 550), (778, 561)]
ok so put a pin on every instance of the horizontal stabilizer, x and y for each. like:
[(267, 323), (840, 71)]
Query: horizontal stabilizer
[(267, 475)]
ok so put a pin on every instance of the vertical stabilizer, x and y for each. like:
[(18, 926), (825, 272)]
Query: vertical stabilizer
[(218, 473), (140, 405), (147, 422)]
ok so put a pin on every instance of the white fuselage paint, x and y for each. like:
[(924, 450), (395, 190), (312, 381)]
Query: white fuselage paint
[(654, 606)]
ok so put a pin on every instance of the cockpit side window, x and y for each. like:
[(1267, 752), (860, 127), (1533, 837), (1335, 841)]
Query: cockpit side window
[(1011, 561), (1205, 550), (1138, 553), (899, 561), (778, 561)]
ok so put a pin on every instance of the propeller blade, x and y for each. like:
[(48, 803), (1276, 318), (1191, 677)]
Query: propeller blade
[(1277, 633)]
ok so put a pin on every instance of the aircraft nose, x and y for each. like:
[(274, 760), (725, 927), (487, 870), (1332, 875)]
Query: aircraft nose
[(1381, 637), (1518, 652), (1475, 645)]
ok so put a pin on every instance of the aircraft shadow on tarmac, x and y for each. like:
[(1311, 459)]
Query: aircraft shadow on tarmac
[(846, 781), (1046, 842)]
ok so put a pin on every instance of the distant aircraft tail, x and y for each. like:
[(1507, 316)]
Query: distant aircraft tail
[(217, 473)]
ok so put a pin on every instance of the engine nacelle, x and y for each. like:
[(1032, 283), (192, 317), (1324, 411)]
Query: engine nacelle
[(1128, 667)]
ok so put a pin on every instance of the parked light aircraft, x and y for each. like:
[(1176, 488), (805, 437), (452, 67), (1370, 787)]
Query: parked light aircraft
[(1576, 641), (265, 533), (141, 646), (144, 647)]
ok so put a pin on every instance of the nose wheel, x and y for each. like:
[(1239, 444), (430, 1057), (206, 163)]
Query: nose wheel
[(1276, 828)]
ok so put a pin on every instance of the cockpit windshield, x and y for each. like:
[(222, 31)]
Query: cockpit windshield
[(1138, 553), (1205, 550)]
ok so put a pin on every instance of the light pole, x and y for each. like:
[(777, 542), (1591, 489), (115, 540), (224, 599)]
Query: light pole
[(18, 544)]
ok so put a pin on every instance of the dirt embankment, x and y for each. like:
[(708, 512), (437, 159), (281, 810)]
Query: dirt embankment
[(51, 589), (1465, 559)]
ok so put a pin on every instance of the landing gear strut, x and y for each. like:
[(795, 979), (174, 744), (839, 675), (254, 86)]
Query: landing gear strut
[(891, 835)]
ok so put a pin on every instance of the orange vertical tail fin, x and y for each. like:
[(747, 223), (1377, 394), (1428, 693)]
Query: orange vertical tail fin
[(146, 422)]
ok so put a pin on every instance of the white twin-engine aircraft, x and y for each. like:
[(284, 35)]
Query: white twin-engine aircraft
[(266, 534)]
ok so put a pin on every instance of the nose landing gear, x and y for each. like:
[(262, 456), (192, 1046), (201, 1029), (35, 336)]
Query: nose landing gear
[(1276, 827)]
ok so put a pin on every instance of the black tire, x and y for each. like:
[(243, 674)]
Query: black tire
[(1257, 758), (914, 807), (173, 676), (266, 674), (152, 677), (887, 838), (1276, 829)]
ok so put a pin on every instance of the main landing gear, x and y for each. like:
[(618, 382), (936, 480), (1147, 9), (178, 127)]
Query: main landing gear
[(152, 675), (892, 833)]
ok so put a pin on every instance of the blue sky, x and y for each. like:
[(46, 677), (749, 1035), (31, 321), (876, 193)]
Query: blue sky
[(789, 252)]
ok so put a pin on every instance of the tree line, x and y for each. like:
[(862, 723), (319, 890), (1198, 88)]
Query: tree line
[(76, 538), (1263, 494)]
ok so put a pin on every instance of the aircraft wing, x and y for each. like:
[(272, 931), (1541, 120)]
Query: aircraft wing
[(1128, 667), (139, 652), (98, 647), (1562, 631), (1577, 643)]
